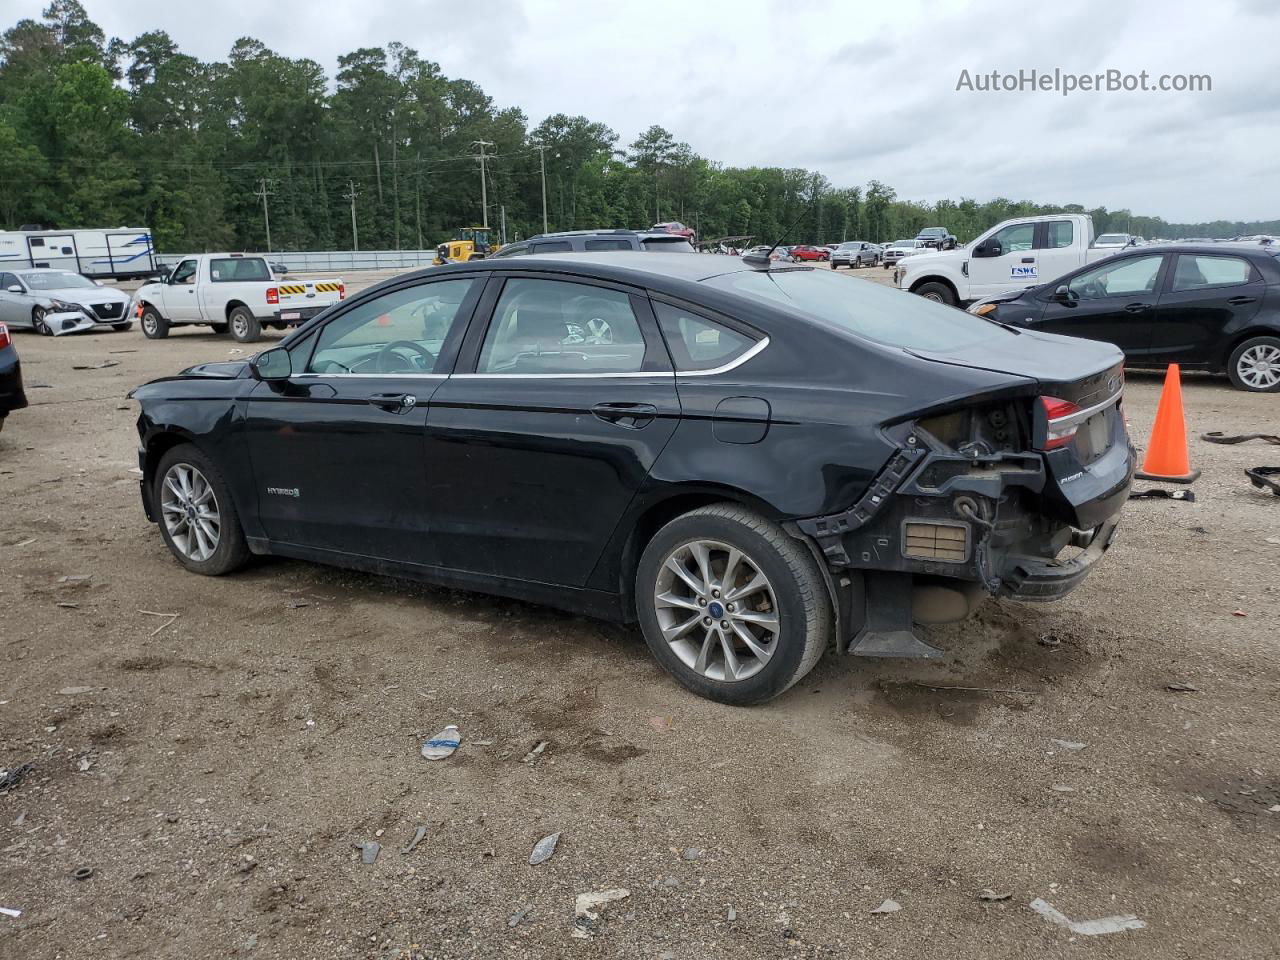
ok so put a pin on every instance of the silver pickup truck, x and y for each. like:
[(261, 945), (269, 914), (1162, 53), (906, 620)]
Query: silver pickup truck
[(230, 291)]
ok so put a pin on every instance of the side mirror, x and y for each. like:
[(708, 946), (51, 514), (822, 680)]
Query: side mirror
[(1063, 294), (15, 289), (275, 364)]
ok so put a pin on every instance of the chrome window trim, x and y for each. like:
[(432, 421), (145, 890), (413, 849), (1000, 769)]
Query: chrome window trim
[(1080, 416), (725, 368), (402, 376)]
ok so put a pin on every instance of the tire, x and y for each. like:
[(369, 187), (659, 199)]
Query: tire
[(231, 550), (122, 327), (154, 326), (794, 592), (937, 292), (38, 324), (245, 327), (218, 327), (1255, 365)]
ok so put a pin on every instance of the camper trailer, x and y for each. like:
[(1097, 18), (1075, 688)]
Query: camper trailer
[(116, 254)]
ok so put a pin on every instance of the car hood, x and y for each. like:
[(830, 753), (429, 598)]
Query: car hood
[(1044, 357), (84, 295)]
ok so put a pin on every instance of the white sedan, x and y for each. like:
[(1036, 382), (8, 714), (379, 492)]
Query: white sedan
[(54, 302)]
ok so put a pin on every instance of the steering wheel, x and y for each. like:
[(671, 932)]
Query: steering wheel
[(383, 357)]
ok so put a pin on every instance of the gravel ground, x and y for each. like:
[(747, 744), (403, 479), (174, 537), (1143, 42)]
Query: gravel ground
[(215, 768)]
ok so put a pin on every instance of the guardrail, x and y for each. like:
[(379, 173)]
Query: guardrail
[(312, 261)]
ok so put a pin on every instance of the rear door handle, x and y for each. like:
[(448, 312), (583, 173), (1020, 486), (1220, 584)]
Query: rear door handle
[(1241, 301), (394, 402), (1136, 307), (630, 415)]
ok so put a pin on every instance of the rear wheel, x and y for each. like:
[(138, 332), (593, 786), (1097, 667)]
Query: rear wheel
[(938, 293), (1255, 365), (731, 606), (154, 326), (198, 519), (245, 327), (38, 324)]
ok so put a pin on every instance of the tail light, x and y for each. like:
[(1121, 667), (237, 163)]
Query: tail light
[(1060, 428), (342, 291), (4, 336), (273, 295)]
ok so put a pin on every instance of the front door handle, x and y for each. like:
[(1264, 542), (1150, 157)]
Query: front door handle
[(394, 402), (1136, 307), (1028, 259), (1241, 301), (630, 415)]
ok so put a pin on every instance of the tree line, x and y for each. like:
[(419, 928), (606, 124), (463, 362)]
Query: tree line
[(111, 132)]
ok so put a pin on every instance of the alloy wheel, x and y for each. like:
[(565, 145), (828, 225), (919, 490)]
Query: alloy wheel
[(1259, 366), (717, 610), (190, 511)]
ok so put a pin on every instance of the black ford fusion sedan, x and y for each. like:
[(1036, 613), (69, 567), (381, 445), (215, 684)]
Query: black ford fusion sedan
[(756, 462), (1212, 307)]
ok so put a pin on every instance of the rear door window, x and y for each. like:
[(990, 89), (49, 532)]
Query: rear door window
[(1197, 272), (558, 327), (552, 246), (1058, 234), (608, 245), (697, 343)]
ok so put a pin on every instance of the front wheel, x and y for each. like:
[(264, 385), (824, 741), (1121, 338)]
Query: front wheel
[(154, 326), (731, 606), (1255, 365), (938, 293), (38, 324), (198, 518), (245, 327)]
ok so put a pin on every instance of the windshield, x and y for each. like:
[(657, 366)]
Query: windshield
[(931, 232), (868, 310), (55, 280), (908, 244)]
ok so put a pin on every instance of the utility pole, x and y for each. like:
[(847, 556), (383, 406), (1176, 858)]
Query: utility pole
[(484, 186), (502, 231), (263, 192), (350, 196), (542, 162)]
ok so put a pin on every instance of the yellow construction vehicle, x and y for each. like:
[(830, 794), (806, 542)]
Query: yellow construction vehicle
[(468, 243)]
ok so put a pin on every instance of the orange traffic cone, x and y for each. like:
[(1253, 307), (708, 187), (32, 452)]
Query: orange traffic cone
[(1167, 456)]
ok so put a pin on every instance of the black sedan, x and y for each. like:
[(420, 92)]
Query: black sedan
[(1204, 307), (754, 463), (12, 396)]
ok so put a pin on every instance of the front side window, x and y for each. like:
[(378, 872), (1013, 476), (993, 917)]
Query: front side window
[(399, 332), (1117, 278), (1015, 238), (8, 280), (1194, 272), (1058, 234), (185, 272), (697, 343), (551, 326), (552, 246), (228, 269)]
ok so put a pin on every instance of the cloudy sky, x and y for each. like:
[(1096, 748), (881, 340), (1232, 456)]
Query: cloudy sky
[(859, 91)]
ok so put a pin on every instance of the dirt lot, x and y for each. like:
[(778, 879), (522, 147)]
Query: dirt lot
[(218, 768)]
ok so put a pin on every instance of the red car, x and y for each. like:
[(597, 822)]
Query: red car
[(810, 253)]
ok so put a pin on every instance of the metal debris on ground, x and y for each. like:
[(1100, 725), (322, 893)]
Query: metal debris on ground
[(295, 604), (1063, 788), (1216, 436), (101, 365), (26, 543), (1156, 493), (1049, 640), (1179, 686), (588, 904), (992, 897), (74, 691), (1070, 744), (68, 604), (1265, 478), (10, 912), (889, 906), (442, 744), (170, 618), (1239, 613), (418, 836), (9, 779), (544, 849), (369, 851), (82, 873), (533, 755), (75, 578), (1087, 928)]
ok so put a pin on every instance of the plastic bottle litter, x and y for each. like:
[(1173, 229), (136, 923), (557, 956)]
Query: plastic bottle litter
[(442, 744)]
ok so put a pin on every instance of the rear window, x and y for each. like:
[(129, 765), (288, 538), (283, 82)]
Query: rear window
[(552, 246), (879, 313), (608, 245), (227, 269), (671, 244)]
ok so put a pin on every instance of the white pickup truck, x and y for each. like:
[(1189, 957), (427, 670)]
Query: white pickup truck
[(232, 291), (1010, 256)]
